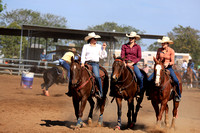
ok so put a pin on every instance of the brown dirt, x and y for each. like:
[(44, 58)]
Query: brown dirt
[(27, 110)]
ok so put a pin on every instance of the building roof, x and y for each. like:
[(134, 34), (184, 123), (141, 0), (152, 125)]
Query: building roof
[(63, 33)]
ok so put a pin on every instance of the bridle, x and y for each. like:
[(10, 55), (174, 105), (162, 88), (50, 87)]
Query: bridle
[(121, 88), (78, 85)]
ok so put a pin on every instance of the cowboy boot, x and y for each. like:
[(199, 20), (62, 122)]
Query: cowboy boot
[(69, 93)]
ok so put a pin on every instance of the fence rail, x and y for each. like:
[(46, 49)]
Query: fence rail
[(17, 66)]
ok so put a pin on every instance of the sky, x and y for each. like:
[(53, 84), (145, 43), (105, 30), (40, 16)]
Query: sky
[(156, 17)]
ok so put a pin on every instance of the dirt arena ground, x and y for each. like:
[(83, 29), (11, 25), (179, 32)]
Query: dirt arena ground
[(28, 111)]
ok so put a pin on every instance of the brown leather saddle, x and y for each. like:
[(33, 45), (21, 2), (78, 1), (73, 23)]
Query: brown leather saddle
[(102, 73)]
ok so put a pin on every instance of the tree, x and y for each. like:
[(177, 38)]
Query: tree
[(114, 27), (186, 40), (25, 16), (154, 47), (11, 44), (2, 7)]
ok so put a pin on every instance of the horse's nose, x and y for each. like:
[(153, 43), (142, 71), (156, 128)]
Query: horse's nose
[(114, 77)]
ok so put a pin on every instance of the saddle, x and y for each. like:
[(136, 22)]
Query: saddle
[(62, 72), (102, 70), (102, 73)]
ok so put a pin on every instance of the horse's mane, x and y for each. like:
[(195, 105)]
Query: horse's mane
[(119, 57)]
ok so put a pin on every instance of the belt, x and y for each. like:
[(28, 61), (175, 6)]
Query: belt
[(128, 61), (92, 62)]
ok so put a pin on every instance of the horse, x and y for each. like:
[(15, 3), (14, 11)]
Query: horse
[(83, 88), (190, 78), (162, 89), (124, 84), (56, 74)]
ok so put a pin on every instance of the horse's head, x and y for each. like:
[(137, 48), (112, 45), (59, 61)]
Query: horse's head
[(159, 71), (75, 72), (117, 68)]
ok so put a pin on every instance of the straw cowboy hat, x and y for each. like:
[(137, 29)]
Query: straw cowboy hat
[(72, 49), (91, 35), (165, 39), (133, 34)]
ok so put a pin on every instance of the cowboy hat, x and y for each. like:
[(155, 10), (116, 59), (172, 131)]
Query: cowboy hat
[(72, 50), (91, 35), (133, 34), (165, 39)]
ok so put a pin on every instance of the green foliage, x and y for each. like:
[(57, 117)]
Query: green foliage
[(154, 46), (186, 40), (11, 44), (2, 7), (25, 16), (19, 17), (114, 27)]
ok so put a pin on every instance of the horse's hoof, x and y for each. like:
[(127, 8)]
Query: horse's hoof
[(90, 122), (131, 125), (117, 128), (47, 93)]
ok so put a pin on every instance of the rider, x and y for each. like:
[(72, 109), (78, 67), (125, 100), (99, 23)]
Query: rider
[(167, 54), (184, 66), (91, 53), (132, 53), (191, 65), (65, 61)]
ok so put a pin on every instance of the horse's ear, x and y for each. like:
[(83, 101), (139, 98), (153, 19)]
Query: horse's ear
[(123, 58), (155, 60), (79, 59), (72, 59), (114, 56)]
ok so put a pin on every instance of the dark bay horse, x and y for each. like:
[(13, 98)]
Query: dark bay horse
[(124, 85), (83, 89), (162, 89), (56, 74)]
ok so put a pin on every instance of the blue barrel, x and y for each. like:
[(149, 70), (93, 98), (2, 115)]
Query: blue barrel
[(27, 79)]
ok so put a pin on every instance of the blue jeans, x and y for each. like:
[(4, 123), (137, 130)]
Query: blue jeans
[(139, 76), (66, 66), (194, 73), (95, 70), (173, 75)]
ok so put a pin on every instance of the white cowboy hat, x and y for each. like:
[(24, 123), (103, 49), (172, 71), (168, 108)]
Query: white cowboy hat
[(133, 34), (165, 39), (72, 50), (91, 35)]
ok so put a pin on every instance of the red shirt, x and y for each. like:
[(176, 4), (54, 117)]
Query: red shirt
[(133, 54)]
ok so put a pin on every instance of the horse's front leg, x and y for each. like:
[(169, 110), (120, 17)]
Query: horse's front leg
[(80, 114), (91, 101), (162, 109), (167, 116), (156, 108), (138, 106), (102, 103), (119, 112), (175, 113), (76, 106), (130, 113)]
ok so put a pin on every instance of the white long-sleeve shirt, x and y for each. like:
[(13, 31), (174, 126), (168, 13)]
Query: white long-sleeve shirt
[(184, 65), (92, 53)]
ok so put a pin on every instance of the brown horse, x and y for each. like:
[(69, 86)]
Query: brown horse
[(83, 88), (190, 78), (56, 74), (124, 85), (162, 90)]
